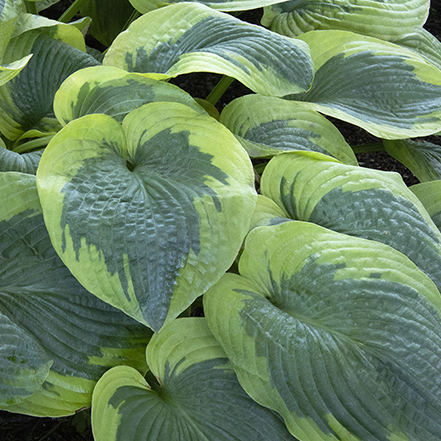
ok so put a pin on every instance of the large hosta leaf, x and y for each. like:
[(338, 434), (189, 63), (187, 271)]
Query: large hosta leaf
[(340, 335), (112, 91), (26, 100), (358, 201), (190, 37), (150, 215), (378, 18), (56, 339), (196, 396), (422, 158), (266, 126), (360, 80)]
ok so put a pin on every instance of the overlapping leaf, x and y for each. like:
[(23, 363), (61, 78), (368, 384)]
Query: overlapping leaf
[(10, 9), (190, 37), (424, 43), (112, 91), (56, 338), (26, 101), (422, 158), (360, 80), (366, 203), (340, 335), (147, 216), (195, 396), (377, 18), (25, 163), (266, 126)]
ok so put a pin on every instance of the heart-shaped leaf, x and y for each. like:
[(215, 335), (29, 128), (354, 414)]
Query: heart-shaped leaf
[(377, 18), (112, 91), (195, 396), (149, 215), (359, 80), (340, 335), (204, 40), (366, 203), (56, 338), (266, 126)]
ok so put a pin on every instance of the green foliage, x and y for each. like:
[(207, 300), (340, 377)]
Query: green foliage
[(127, 204)]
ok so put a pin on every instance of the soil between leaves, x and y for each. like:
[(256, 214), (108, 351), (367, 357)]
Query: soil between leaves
[(15, 427)]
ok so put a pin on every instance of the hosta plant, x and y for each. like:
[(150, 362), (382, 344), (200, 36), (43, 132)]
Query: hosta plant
[(128, 204)]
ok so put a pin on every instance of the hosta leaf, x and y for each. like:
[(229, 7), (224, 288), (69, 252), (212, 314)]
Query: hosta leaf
[(10, 9), (26, 100), (204, 40), (67, 32), (366, 203), (108, 18), (429, 193), (9, 71), (266, 126), (267, 212), (113, 91), (340, 335), (147, 216), (359, 80), (198, 397), (25, 163), (422, 158), (144, 6), (24, 363), (377, 18), (424, 43), (48, 320)]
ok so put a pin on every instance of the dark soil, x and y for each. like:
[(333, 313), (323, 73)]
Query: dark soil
[(15, 427)]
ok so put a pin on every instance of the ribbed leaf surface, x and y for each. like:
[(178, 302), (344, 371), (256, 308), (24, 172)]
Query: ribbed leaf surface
[(190, 37), (361, 202), (198, 397), (25, 163), (340, 335), (422, 158), (377, 18), (147, 216), (266, 126), (359, 80), (26, 100), (112, 91), (48, 320)]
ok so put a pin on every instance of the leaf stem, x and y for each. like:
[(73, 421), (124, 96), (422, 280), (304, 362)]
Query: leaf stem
[(71, 11), (33, 144), (366, 148), (219, 90), (31, 8)]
